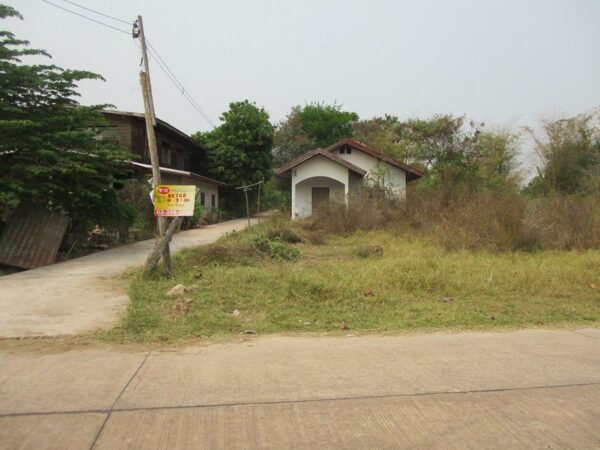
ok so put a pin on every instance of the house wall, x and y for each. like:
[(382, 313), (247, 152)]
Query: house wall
[(319, 171), (208, 190), (394, 178), (356, 184), (303, 191), (130, 132)]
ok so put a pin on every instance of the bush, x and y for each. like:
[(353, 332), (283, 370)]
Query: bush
[(246, 247), (496, 221), (484, 222), (564, 222), (284, 251)]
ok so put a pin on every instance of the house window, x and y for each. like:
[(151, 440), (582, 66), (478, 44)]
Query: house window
[(202, 200), (175, 160), (345, 149), (165, 153), (213, 200)]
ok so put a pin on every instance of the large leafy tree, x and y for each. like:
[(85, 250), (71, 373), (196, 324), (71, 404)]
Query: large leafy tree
[(459, 155), (239, 150), (49, 151), (310, 126)]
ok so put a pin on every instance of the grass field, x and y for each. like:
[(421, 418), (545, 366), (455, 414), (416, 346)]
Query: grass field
[(366, 281)]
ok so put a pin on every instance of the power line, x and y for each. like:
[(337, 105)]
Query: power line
[(178, 85), (98, 12), (152, 50), (86, 17)]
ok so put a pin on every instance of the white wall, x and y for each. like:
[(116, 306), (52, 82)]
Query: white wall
[(318, 171), (394, 177), (303, 191)]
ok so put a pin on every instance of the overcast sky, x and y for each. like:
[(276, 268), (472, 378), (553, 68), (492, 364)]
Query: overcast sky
[(504, 62)]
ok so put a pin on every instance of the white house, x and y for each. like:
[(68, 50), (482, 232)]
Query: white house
[(339, 170)]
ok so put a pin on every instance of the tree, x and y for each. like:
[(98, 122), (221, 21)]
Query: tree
[(380, 133), (239, 150), (49, 151), (459, 156), (569, 149), (291, 139), (314, 125)]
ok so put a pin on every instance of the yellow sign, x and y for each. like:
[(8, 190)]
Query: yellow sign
[(174, 200)]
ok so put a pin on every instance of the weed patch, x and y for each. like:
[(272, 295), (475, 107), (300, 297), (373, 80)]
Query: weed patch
[(348, 284)]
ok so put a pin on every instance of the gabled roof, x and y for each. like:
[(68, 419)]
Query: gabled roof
[(164, 126), (323, 152), (416, 173)]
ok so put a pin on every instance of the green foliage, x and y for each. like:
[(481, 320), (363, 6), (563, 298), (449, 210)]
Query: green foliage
[(198, 210), (135, 196), (239, 150), (314, 125), (381, 133), (261, 242), (284, 252), (274, 247), (458, 155), (570, 152), (48, 147), (326, 124), (275, 195)]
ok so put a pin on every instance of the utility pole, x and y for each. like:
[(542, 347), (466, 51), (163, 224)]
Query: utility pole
[(142, 37), (138, 32)]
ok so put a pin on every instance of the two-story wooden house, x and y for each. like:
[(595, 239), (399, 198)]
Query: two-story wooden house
[(180, 157)]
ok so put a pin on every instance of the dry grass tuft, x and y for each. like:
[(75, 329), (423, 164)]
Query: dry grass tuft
[(483, 221)]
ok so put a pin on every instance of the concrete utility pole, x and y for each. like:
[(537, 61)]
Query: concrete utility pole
[(138, 32)]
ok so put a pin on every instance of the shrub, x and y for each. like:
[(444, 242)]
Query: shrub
[(496, 221), (564, 222), (484, 222), (284, 251), (246, 247)]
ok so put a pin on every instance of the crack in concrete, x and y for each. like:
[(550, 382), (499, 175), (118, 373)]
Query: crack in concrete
[(112, 409)]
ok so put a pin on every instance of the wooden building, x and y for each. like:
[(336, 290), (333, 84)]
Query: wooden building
[(180, 157)]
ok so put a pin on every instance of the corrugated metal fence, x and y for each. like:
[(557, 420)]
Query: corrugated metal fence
[(32, 237)]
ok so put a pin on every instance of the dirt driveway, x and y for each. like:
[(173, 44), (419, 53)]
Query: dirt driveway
[(82, 294)]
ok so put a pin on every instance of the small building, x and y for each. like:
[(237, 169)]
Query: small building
[(180, 157), (342, 169)]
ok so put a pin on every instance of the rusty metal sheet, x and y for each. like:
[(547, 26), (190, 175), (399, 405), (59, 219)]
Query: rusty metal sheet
[(32, 237)]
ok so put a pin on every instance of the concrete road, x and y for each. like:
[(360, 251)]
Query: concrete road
[(525, 389), (82, 294)]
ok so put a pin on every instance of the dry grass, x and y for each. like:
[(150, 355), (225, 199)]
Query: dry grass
[(489, 221), (377, 280)]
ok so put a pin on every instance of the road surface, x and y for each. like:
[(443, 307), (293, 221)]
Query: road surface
[(524, 389)]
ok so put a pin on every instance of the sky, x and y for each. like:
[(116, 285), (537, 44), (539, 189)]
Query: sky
[(503, 62)]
